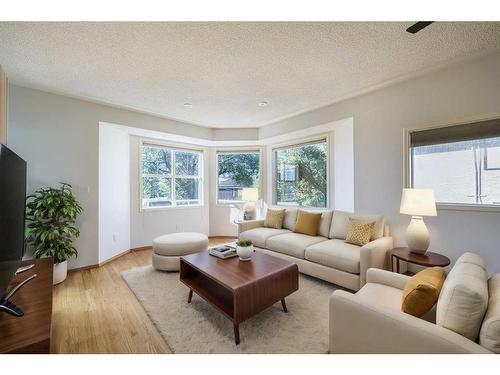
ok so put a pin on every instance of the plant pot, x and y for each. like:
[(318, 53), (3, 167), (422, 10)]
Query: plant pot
[(244, 252), (60, 272)]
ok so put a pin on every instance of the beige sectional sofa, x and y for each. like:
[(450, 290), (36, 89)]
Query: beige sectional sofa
[(466, 318), (325, 256)]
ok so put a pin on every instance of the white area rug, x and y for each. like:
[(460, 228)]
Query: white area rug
[(200, 328)]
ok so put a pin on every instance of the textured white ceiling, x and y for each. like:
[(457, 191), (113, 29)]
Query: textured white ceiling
[(225, 69)]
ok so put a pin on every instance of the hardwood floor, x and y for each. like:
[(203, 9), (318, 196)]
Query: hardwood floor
[(94, 311)]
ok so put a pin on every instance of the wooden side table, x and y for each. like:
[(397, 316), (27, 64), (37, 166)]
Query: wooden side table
[(428, 259)]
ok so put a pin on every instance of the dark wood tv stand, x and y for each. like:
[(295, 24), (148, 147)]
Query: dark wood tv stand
[(30, 333)]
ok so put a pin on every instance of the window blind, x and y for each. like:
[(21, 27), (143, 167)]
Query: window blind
[(456, 133)]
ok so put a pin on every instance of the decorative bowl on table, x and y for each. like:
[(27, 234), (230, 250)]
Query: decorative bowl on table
[(244, 249)]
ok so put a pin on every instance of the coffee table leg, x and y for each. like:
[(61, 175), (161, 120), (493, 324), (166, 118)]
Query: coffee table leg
[(190, 297), (284, 305), (236, 333)]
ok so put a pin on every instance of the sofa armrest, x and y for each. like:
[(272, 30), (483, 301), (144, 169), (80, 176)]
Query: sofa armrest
[(378, 276), (373, 255), (360, 327), (249, 224)]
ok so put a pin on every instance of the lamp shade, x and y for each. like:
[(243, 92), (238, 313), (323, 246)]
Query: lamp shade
[(250, 194), (418, 202)]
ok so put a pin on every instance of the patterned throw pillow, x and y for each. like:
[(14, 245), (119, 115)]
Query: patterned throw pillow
[(359, 232), (274, 218)]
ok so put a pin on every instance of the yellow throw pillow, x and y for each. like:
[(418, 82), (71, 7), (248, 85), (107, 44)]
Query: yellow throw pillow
[(274, 218), (421, 292), (359, 233), (307, 223)]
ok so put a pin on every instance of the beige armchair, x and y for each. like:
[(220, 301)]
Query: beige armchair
[(371, 321)]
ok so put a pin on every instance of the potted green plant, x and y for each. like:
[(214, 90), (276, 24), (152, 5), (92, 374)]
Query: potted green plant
[(244, 249), (51, 214)]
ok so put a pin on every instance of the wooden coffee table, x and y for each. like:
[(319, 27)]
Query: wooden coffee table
[(239, 289)]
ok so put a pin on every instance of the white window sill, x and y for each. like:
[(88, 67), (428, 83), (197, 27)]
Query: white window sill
[(468, 207), (312, 208), (170, 208), (232, 204)]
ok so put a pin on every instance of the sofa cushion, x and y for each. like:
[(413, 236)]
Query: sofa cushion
[(336, 254), (290, 218), (421, 292), (489, 336), (381, 295), (472, 258), (340, 224), (259, 236), (325, 223), (293, 244), (274, 218), (463, 300), (307, 222)]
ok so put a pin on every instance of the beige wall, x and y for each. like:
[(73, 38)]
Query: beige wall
[(114, 191), (3, 106)]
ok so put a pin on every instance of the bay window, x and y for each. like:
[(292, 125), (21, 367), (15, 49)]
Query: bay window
[(170, 176)]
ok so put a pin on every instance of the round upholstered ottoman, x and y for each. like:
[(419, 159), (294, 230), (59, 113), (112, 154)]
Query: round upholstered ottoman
[(168, 249)]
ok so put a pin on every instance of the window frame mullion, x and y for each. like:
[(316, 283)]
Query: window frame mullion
[(174, 201)]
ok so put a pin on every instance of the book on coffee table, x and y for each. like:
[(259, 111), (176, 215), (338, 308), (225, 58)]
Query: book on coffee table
[(223, 252)]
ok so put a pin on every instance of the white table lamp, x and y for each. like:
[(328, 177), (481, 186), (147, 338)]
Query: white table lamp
[(418, 203)]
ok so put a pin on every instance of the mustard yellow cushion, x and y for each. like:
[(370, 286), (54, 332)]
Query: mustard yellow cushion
[(307, 223), (274, 218), (359, 232), (421, 292)]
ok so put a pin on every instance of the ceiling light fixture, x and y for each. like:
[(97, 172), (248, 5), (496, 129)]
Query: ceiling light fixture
[(188, 105), (415, 28), (263, 104)]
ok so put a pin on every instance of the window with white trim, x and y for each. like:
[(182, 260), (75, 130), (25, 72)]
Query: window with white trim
[(237, 170), (170, 176), (460, 162), (300, 175)]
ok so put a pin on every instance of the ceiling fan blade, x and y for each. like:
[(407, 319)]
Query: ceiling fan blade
[(415, 28)]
